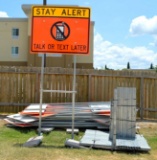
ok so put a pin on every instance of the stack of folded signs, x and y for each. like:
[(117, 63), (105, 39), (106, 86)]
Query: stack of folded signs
[(59, 115)]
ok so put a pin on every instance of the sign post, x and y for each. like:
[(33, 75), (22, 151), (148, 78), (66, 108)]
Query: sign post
[(43, 65), (41, 93), (73, 98), (44, 3)]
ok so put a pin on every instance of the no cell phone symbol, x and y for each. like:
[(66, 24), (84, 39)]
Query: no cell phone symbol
[(60, 31)]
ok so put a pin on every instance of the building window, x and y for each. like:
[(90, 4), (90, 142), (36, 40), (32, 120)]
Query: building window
[(15, 32), (15, 51)]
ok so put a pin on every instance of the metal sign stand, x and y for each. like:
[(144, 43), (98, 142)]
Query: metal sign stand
[(73, 98), (58, 91), (43, 65), (41, 92)]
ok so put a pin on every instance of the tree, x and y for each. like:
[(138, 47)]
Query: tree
[(128, 65), (106, 68), (151, 66), (155, 68)]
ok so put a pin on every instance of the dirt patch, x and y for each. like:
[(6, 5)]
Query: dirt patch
[(147, 124)]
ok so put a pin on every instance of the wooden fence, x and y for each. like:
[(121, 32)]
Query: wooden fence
[(20, 86)]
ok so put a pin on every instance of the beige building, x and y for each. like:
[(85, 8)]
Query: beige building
[(15, 36)]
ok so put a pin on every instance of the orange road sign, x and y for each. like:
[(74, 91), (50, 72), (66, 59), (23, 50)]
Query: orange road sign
[(60, 30)]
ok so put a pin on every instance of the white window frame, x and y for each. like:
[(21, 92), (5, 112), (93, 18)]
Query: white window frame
[(15, 51), (15, 33)]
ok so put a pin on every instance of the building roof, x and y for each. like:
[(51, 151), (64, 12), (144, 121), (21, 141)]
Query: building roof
[(5, 19)]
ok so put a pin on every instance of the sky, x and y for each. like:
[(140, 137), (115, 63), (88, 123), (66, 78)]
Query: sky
[(124, 31)]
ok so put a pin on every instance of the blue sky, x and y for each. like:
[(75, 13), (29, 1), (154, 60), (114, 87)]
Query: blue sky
[(125, 30)]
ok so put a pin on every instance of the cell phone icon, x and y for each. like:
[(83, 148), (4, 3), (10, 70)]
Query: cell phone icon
[(60, 31)]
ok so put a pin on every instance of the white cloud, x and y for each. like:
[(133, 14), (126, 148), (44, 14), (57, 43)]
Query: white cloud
[(116, 56), (142, 25), (3, 14)]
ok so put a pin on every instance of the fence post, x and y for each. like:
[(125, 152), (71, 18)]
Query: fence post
[(89, 87), (37, 88), (141, 97)]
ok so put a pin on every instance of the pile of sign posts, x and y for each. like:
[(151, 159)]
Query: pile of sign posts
[(86, 115), (119, 118), (122, 131)]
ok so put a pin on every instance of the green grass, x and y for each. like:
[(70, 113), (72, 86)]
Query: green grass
[(52, 147)]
